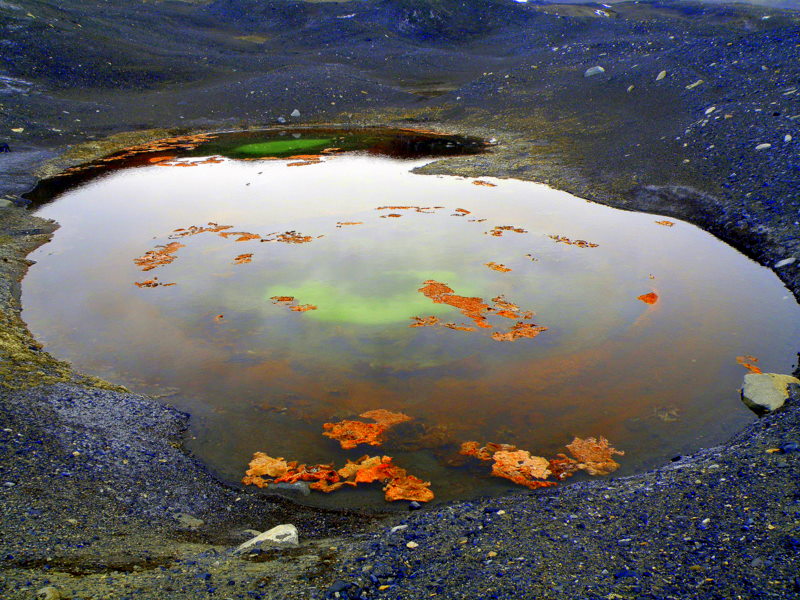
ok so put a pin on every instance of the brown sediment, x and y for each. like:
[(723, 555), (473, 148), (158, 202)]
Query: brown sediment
[(341, 224), (461, 212), (484, 183), (665, 223), (428, 210), (291, 303), (424, 321)]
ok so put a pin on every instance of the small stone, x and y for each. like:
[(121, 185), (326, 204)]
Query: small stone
[(787, 138), (592, 71), (766, 392), (710, 110), (48, 593), (661, 75), (398, 528), (9, 484), (630, 89), (763, 146), (280, 536), (5, 203), (691, 86), (412, 545), (784, 262), (188, 521), (414, 505), (17, 129), (492, 554), (295, 113)]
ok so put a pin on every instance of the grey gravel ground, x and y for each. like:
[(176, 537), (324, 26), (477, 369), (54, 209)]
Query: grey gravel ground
[(106, 504)]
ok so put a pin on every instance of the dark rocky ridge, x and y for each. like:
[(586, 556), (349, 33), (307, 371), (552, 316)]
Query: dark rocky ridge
[(494, 69)]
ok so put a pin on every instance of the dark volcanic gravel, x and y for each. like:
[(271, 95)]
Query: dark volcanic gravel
[(97, 496)]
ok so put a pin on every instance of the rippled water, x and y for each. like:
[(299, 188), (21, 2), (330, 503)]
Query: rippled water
[(656, 379)]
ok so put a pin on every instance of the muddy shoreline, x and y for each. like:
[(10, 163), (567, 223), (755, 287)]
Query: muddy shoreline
[(104, 502)]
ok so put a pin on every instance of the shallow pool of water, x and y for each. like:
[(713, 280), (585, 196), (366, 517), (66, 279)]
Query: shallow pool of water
[(352, 239)]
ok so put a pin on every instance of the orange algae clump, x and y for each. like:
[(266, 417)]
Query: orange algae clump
[(650, 298), (341, 224), (403, 486), (665, 223), (154, 282), (579, 243), (472, 308), (455, 327), (424, 321), (291, 302), (746, 361), (498, 230), (352, 433), (519, 330), (243, 259), (303, 307), (241, 236), (484, 183), (262, 465), (288, 237), (196, 229), (594, 456), (522, 468), (497, 267), (484, 452), (461, 212), (366, 469), (162, 255)]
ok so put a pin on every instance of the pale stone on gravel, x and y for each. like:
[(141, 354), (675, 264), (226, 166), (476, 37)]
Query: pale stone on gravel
[(594, 71), (280, 536), (661, 75), (784, 262), (763, 146), (766, 392)]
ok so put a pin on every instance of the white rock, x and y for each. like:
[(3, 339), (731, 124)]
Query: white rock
[(765, 392), (630, 89), (280, 536), (48, 593), (787, 138), (412, 545), (591, 71), (661, 75), (281, 120), (763, 146), (691, 86), (4, 203), (710, 110), (784, 262), (295, 113), (397, 528)]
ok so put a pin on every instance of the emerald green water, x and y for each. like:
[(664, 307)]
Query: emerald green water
[(657, 380)]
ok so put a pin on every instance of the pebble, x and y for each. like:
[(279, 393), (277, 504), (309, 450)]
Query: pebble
[(412, 545), (691, 86), (9, 484), (398, 528), (5, 203), (188, 521), (596, 70), (661, 75), (295, 113), (784, 262), (630, 88), (48, 593), (766, 392), (763, 146), (787, 138), (281, 120), (710, 110), (414, 505)]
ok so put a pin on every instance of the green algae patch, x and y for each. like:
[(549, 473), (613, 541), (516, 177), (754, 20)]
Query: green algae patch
[(281, 147)]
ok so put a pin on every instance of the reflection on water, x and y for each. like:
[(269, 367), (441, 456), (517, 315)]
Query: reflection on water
[(228, 344)]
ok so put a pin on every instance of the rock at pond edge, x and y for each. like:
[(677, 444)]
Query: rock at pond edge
[(766, 392)]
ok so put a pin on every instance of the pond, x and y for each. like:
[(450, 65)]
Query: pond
[(289, 280)]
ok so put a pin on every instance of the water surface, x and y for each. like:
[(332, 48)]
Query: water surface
[(656, 379)]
